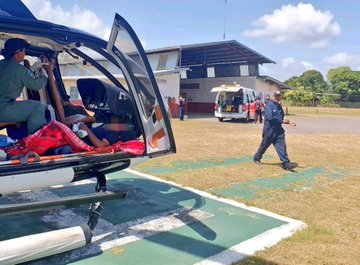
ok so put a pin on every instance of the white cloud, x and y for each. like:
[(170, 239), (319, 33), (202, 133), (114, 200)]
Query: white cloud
[(307, 65), (297, 24), (77, 17), (144, 43), (288, 62), (264, 70), (290, 66), (319, 44), (343, 59)]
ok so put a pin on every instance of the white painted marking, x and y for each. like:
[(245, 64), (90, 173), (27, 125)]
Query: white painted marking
[(107, 235), (60, 218), (142, 228), (116, 235), (224, 200), (248, 247)]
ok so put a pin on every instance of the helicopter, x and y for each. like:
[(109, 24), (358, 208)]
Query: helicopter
[(125, 97)]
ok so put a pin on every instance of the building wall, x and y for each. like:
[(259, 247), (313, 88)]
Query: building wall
[(199, 99), (169, 86), (171, 60), (263, 88), (202, 100)]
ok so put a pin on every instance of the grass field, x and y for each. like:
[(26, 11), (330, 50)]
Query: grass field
[(216, 157), (323, 111)]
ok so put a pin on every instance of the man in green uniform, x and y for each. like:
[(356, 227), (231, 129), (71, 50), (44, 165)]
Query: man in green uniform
[(13, 78)]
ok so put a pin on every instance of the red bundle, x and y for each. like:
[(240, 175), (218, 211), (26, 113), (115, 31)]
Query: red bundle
[(52, 135)]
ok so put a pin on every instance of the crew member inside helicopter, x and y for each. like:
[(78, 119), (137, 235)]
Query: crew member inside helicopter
[(13, 78)]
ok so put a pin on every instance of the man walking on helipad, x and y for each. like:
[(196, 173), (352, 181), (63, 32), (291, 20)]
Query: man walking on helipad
[(273, 132)]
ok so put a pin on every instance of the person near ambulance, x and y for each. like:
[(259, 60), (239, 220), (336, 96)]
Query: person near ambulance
[(273, 132), (13, 78), (181, 108), (267, 99), (259, 106)]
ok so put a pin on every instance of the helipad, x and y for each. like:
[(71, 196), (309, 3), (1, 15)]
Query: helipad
[(158, 223)]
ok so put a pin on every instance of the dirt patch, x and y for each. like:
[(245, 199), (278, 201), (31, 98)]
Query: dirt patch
[(306, 123), (324, 124)]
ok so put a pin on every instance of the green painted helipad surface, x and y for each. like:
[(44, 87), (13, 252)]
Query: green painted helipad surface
[(158, 223), (181, 166), (264, 188)]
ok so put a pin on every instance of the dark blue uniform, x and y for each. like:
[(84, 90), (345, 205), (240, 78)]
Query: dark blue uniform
[(273, 133)]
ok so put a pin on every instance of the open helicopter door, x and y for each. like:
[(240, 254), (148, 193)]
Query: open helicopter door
[(126, 48)]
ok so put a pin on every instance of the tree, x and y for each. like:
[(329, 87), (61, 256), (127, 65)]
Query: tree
[(310, 80), (293, 82), (344, 81), (299, 96), (313, 80), (335, 74)]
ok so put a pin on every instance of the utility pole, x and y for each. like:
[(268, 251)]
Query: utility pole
[(224, 36)]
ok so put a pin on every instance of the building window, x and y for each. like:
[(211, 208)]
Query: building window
[(162, 61), (244, 70), (197, 72), (74, 93), (253, 70), (210, 72), (227, 70), (189, 86)]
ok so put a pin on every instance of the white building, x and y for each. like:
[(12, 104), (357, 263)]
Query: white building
[(216, 63), (193, 70)]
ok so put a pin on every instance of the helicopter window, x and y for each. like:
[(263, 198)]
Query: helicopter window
[(74, 93), (102, 87), (144, 86), (73, 68)]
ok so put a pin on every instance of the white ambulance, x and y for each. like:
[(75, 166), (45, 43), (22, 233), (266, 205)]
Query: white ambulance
[(234, 102)]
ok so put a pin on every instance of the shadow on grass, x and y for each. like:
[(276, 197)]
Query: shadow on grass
[(244, 121), (255, 261), (296, 165)]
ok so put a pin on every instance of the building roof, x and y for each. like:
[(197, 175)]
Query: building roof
[(274, 81), (210, 53)]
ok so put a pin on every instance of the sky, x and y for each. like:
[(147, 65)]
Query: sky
[(298, 36)]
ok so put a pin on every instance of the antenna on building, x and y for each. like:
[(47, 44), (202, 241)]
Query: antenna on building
[(224, 36)]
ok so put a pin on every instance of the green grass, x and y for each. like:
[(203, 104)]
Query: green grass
[(330, 208)]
